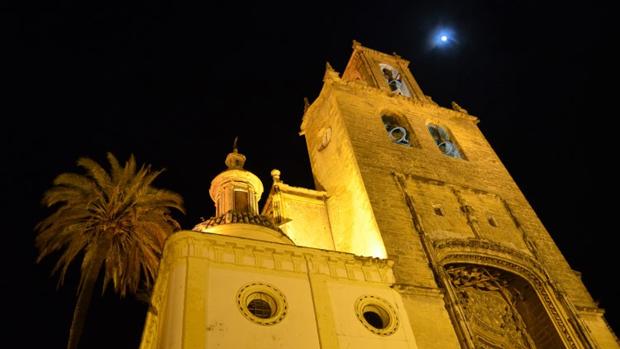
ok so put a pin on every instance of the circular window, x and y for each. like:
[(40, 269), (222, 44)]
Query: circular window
[(262, 303), (377, 315)]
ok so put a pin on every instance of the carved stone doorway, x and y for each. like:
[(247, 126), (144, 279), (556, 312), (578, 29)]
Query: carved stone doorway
[(501, 309)]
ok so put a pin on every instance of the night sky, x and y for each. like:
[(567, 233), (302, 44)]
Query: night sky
[(175, 83)]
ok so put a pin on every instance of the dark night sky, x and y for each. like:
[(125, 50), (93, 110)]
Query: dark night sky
[(175, 83)]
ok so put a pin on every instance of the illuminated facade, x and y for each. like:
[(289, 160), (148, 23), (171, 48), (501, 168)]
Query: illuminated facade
[(416, 236)]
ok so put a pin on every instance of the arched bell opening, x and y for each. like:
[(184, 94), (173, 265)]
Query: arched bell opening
[(502, 309)]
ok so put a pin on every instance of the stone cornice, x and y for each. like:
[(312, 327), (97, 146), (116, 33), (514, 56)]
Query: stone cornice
[(590, 310), (417, 290), (358, 85), (274, 256), (311, 193)]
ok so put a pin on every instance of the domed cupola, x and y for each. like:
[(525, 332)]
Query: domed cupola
[(236, 193)]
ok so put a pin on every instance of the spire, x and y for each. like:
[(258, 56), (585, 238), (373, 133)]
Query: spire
[(235, 160)]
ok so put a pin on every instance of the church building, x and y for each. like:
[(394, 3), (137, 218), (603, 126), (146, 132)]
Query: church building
[(415, 236)]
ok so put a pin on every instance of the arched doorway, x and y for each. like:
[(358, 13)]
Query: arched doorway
[(502, 310)]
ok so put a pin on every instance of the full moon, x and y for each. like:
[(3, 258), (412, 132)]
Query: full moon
[(442, 37)]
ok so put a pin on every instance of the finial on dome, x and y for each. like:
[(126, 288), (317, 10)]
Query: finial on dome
[(235, 160), (275, 174)]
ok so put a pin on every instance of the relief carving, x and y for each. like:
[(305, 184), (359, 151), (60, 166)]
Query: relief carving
[(535, 282), (490, 303)]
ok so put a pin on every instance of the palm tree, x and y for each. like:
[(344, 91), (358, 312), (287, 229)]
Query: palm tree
[(116, 220)]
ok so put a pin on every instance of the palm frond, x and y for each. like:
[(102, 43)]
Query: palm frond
[(161, 198), (77, 182), (130, 167), (95, 171), (71, 250), (60, 194), (115, 168)]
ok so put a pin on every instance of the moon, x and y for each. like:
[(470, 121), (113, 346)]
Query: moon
[(442, 38)]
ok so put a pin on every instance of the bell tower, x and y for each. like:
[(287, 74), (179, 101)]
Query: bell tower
[(417, 183)]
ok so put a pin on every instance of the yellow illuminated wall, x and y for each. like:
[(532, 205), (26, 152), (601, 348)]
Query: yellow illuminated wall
[(336, 171), (301, 213), (195, 302)]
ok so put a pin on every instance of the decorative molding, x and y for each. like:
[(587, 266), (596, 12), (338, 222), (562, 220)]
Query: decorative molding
[(442, 183), (446, 247), (273, 256), (590, 310)]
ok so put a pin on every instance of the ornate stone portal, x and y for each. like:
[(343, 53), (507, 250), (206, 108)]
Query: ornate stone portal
[(489, 305), (492, 303)]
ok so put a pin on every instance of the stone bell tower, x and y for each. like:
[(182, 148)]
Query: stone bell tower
[(408, 180)]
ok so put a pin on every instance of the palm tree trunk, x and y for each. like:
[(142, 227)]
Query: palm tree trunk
[(86, 294)]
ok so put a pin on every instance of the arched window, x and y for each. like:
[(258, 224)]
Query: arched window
[(242, 200), (397, 130), (394, 80), (444, 141)]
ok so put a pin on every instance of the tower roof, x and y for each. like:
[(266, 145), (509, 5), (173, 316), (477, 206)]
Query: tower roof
[(237, 217), (236, 192)]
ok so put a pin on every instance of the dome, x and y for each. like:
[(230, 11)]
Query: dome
[(236, 192)]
